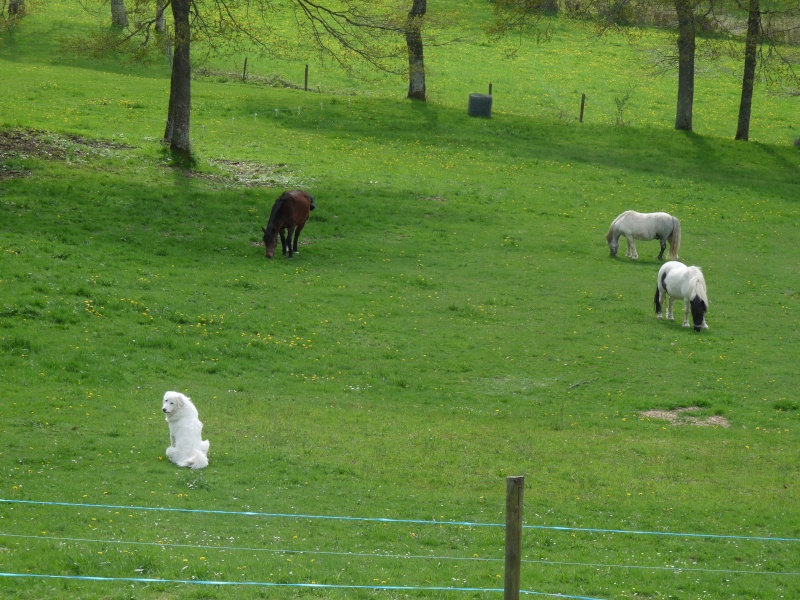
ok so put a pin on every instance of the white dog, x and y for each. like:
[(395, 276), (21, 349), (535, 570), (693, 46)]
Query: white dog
[(187, 448)]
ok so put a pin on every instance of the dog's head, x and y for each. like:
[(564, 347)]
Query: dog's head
[(173, 401)]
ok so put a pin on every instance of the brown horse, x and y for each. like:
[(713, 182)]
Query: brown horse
[(288, 217)]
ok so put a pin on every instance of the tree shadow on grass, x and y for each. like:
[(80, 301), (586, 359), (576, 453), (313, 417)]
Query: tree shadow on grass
[(660, 152)]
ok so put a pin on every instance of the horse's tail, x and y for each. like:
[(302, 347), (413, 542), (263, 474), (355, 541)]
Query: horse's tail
[(313, 205), (657, 300), (674, 239)]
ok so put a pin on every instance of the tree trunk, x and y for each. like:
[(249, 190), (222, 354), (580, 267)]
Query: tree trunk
[(180, 91), (160, 16), (119, 16), (16, 8), (416, 59), (686, 51), (750, 50)]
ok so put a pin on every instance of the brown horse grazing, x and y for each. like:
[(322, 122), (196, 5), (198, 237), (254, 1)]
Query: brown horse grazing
[(289, 214)]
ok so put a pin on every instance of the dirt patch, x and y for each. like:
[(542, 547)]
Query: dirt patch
[(21, 144), (254, 174), (244, 173), (34, 143), (24, 143), (102, 144), (683, 416), (7, 174)]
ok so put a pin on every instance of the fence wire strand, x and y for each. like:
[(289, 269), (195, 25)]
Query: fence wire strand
[(399, 556), (383, 587), (265, 584), (409, 521)]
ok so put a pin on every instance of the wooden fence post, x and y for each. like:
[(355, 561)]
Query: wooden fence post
[(306, 85), (514, 491), (490, 88), (244, 70), (583, 103)]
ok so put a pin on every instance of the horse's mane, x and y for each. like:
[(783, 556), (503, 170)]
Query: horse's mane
[(614, 225), (697, 285), (276, 208)]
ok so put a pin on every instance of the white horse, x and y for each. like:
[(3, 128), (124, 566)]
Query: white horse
[(645, 226), (679, 281)]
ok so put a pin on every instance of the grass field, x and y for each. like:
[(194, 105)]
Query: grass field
[(453, 318)]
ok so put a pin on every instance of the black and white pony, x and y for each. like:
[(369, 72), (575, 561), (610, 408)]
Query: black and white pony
[(679, 281), (645, 226)]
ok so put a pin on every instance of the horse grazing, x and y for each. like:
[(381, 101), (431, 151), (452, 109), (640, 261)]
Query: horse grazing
[(679, 281), (288, 217), (645, 226)]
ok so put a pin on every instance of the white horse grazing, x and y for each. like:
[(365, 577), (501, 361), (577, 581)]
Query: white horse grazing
[(645, 226), (679, 281)]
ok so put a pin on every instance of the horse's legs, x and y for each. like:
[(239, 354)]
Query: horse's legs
[(289, 237), (663, 247), (297, 235), (631, 248), (687, 307), (283, 241), (670, 316)]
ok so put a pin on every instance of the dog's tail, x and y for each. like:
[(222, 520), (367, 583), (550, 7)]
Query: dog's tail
[(197, 461)]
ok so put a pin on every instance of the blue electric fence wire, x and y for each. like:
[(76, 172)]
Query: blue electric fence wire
[(553, 563), (400, 521), (383, 588), (251, 514)]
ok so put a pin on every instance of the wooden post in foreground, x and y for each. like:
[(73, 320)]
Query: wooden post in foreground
[(244, 70), (583, 103), (306, 84), (514, 490)]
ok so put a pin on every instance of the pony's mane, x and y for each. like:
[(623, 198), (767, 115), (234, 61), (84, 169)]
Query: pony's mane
[(276, 209), (697, 285), (614, 226)]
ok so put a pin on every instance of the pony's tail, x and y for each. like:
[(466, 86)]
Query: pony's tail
[(657, 300), (674, 239)]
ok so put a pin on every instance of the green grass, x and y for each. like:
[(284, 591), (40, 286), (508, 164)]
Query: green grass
[(453, 318)]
